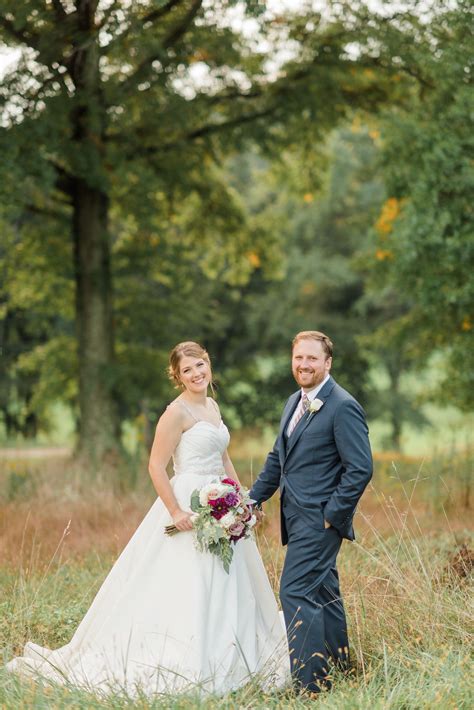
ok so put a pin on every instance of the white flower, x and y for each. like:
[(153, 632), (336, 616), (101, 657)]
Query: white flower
[(212, 491), (204, 495), (227, 520), (315, 405)]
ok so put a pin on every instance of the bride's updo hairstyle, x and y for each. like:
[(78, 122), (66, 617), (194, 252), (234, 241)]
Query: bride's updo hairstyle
[(187, 349)]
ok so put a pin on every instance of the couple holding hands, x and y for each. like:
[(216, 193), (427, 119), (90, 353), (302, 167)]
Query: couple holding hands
[(169, 618)]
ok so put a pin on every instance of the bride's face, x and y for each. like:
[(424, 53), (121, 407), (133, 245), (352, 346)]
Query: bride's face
[(195, 373)]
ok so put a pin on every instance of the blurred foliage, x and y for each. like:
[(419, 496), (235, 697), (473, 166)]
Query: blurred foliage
[(424, 254), (244, 203), (116, 123)]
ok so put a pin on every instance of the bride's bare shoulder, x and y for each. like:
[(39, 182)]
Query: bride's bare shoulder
[(174, 413)]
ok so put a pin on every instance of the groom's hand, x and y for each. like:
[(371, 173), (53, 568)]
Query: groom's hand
[(326, 525)]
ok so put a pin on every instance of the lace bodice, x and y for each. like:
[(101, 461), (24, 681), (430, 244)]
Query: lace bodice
[(200, 450)]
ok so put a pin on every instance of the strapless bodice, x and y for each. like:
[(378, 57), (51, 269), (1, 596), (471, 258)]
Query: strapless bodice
[(200, 450)]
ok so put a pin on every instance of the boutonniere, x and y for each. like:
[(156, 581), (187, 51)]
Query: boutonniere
[(314, 407)]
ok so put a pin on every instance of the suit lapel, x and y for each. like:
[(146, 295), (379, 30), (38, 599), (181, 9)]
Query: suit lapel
[(323, 394), (291, 406)]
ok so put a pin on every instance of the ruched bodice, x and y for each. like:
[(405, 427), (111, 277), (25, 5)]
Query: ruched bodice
[(200, 450)]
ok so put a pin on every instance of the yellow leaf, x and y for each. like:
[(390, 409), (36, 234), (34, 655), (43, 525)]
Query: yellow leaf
[(254, 259), (382, 254)]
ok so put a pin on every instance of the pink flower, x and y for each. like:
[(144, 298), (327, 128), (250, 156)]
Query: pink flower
[(236, 530), (213, 494), (246, 515)]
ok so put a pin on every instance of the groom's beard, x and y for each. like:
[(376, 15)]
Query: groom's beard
[(310, 380)]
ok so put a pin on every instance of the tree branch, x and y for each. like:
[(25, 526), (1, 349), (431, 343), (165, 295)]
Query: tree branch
[(403, 68), (233, 95), (149, 17), (30, 38), (183, 26), (176, 34), (160, 12), (45, 212), (210, 129), (64, 182), (61, 13)]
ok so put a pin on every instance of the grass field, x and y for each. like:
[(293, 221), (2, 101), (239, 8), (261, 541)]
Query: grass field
[(406, 581)]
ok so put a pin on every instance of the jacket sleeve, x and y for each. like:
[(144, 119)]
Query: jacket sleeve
[(269, 478), (352, 440)]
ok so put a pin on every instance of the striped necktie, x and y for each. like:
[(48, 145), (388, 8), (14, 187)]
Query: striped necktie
[(303, 406)]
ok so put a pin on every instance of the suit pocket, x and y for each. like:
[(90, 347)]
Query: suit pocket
[(318, 435), (304, 517)]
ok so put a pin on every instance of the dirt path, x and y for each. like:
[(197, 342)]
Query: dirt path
[(39, 452)]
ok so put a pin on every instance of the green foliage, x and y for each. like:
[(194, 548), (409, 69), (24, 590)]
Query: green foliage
[(425, 244), (236, 210), (136, 109), (322, 228)]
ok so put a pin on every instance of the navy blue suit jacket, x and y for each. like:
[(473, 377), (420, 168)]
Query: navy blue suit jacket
[(326, 463)]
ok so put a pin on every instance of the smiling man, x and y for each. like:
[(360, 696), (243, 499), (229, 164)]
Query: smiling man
[(321, 462)]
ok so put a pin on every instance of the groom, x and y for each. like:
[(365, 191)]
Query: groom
[(322, 462)]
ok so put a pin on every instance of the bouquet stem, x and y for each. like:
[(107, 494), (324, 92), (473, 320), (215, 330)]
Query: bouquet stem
[(171, 530)]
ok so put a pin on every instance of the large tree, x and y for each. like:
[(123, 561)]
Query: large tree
[(126, 109)]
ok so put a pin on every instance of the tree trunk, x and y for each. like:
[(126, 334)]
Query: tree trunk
[(98, 425), (395, 413)]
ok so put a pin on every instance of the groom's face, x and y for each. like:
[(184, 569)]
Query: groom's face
[(309, 363)]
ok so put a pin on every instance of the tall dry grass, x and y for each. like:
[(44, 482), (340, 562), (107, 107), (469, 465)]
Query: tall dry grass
[(405, 583)]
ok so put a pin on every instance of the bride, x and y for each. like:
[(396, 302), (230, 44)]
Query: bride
[(168, 618)]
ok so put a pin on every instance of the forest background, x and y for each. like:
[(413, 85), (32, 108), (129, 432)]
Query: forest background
[(231, 172)]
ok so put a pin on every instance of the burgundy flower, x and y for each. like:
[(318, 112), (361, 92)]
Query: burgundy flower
[(220, 508), (217, 502), (218, 514)]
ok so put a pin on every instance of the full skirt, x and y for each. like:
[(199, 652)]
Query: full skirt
[(169, 619)]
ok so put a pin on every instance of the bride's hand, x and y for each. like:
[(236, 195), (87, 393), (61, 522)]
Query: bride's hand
[(182, 520)]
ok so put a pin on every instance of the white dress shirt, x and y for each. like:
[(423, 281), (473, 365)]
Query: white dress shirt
[(312, 394)]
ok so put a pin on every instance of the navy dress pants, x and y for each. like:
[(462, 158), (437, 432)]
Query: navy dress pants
[(311, 599)]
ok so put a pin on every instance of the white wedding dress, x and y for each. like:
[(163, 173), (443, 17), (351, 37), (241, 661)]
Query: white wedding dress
[(168, 618)]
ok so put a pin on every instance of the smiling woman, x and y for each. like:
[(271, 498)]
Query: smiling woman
[(184, 358)]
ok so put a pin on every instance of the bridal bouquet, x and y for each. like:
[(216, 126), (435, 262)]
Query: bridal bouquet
[(222, 516)]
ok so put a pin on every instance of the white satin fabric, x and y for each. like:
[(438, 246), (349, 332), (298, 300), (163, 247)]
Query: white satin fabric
[(168, 618)]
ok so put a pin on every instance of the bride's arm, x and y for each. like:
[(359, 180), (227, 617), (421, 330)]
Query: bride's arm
[(229, 467), (226, 460), (167, 435)]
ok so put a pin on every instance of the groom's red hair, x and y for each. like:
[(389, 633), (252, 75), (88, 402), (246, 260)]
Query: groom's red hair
[(314, 335)]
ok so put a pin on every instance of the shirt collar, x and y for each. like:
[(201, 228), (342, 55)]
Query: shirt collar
[(312, 394)]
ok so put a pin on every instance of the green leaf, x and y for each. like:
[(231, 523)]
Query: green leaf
[(195, 504)]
